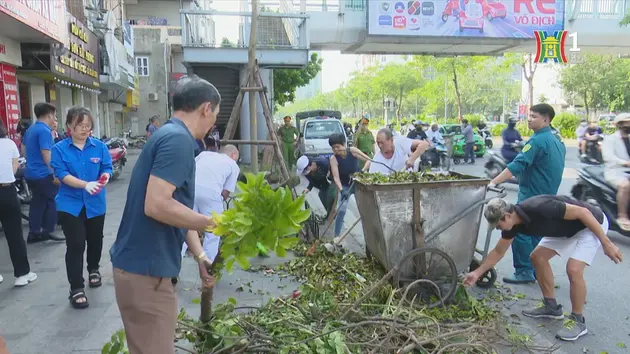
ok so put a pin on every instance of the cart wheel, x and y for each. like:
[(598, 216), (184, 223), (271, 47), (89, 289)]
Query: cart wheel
[(456, 160), (487, 279), (430, 264)]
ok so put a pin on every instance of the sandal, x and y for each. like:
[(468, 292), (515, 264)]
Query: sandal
[(95, 279), (75, 296)]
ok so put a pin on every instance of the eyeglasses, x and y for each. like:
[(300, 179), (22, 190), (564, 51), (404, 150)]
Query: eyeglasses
[(83, 127)]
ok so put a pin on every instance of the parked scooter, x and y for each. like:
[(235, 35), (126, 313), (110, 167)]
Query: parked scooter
[(136, 142), (592, 187), (118, 152), (487, 137), (497, 163), (593, 154)]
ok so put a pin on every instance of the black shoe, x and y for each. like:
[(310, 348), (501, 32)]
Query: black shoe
[(53, 237), (174, 281), (34, 238)]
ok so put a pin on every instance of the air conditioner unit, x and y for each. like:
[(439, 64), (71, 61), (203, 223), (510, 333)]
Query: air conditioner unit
[(152, 96)]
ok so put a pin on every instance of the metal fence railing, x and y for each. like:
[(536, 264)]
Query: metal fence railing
[(232, 30), (598, 9)]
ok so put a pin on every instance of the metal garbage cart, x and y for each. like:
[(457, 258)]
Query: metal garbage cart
[(410, 224)]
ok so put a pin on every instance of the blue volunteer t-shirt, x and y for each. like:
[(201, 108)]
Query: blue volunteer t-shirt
[(37, 138), (146, 246)]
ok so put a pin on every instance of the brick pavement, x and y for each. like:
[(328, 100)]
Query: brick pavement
[(38, 318)]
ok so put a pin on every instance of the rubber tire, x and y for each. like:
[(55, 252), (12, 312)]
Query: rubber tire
[(488, 278), (444, 18), (456, 160), (489, 144), (454, 283)]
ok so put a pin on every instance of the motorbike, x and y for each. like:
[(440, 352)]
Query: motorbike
[(118, 151), (497, 163), (593, 152), (486, 136), (136, 142), (591, 187), (451, 9), (435, 157)]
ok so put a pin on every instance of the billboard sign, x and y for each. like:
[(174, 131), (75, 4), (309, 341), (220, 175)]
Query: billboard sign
[(464, 18)]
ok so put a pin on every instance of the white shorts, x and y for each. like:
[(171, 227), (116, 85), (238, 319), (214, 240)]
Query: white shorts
[(614, 176), (582, 247)]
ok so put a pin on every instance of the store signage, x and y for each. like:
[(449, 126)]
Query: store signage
[(133, 96), (465, 18), (81, 63), (46, 16), (10, 51), (9, 97)]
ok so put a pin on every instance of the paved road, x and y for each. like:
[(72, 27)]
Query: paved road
[(38, 318), (607, 313)]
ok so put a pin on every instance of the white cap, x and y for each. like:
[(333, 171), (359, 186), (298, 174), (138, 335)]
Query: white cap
[(301, 165), (622, 117)]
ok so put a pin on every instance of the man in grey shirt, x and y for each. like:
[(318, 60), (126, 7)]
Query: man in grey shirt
[(469, 136)]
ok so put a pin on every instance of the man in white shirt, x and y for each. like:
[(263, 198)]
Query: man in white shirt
[(616, 154), (434, 136), (394, 152), (215, 178)]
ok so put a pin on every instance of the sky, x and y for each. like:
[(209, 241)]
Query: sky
[(336, 68)]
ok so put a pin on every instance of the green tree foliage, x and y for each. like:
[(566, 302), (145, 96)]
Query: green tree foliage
[(625, 21), (227, 43), (421, 87), (286, 81), (600, 82)]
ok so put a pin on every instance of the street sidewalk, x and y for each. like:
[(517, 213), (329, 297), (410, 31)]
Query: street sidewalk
[(38, 318)]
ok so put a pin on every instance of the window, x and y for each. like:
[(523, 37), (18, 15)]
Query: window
[(142, 66), (322, 129)]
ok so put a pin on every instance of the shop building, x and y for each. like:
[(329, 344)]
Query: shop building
[(38, 24)]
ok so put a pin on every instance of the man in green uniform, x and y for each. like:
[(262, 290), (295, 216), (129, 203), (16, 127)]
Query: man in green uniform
[(288, 133), (364, 140), (539, 169)]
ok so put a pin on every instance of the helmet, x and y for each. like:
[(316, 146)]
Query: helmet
[(418, 122), (623, 117), (513, 120)]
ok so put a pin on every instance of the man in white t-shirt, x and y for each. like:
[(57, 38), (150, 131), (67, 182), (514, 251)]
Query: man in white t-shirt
[(215, 178), (395, 151)]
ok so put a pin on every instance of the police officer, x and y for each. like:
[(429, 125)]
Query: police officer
[(539, 169), (288, 133)]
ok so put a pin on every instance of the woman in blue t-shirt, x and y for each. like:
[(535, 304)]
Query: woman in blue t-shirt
[(83, 166), (343, 164)]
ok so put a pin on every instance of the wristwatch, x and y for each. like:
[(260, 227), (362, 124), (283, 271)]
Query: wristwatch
[(201, 257)]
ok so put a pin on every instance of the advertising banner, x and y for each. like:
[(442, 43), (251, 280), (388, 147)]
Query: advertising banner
[(9, 104), (465, 18), (46, 16)]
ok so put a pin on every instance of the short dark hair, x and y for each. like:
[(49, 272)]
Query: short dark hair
[(389, 134), (544, 109), (44, 108), (337, 138), (77, 115), (3, 131), (153, 119), (192, 91), (465, 121)]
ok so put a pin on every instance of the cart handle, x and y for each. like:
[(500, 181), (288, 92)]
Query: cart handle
[(438, 230)]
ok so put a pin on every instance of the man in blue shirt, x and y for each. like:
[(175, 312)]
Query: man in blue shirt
[(158, 211), (539, 169), (36, 147)]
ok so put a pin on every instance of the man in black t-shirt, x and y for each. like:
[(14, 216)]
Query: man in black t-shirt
[(569, 228), (418, 133), (592, 133)]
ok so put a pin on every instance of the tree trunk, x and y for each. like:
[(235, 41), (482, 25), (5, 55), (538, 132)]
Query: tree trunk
[(586, 105), (400, 98), (529, 68), (457, 94)]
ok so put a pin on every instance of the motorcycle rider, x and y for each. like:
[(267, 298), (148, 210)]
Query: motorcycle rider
[(418, 133), (434, 136), (592, 133), (510, 136), (616, 154), (579, 133)]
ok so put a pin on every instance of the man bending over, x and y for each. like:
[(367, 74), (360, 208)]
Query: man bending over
[(571, 229)]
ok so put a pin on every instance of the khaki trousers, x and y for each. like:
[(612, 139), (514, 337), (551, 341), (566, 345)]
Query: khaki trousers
[(148, 307)]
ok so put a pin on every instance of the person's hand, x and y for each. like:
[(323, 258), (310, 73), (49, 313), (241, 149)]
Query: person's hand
[(627, 164), (305, 191), (207, 280), (104, 179), (56, 181), (93, 187), (211, 225), (409, 163), (492, 185), (613, 252), (471, 278)]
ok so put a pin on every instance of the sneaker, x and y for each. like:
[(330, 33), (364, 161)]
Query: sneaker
[(572, 329), (526, 277), (543, 311), (1, 278), (25, 279)]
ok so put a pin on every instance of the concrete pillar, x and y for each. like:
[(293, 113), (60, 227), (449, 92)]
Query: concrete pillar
[(244, 124), (38, 94)]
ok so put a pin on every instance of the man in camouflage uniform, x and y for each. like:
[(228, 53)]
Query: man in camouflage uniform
[(287, 135)]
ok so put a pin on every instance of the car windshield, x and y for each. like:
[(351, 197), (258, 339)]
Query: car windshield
[(322, 129), (453, 129)]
